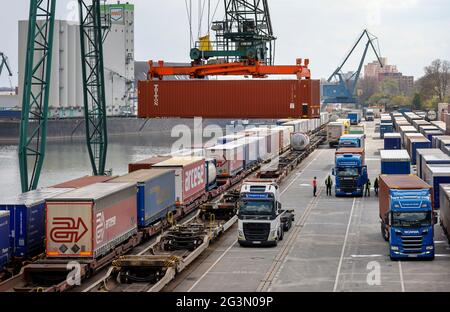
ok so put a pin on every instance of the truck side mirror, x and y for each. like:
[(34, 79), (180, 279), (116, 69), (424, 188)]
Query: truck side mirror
[(280, 206), (333, 172), (387, 218)]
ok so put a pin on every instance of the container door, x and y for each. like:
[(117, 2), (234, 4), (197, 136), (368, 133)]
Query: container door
[(69, 230)]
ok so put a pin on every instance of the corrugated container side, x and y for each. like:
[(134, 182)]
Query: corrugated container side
[(267, 99), (84, 181), (84, 226), (4, 239), (146, 163), (416, 144)]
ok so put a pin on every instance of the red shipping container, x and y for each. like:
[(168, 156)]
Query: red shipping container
[(91, 221), (83, 181), (264, 99), (146, 163), (190, 179)]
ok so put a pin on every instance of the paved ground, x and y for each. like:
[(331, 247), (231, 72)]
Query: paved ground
[(336, 245)]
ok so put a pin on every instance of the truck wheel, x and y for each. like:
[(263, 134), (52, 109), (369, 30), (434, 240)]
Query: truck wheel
[(281, 234), (384, 232)]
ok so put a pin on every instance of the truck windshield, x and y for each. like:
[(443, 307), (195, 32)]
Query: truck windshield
[(411, 219), (347, 172), (256, 208)]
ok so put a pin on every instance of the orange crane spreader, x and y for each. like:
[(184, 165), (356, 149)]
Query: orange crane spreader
[(255, 69)]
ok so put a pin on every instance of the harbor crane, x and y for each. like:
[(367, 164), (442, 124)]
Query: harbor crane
[(38, 67), (244, 45), (4, 64), (341, 88)]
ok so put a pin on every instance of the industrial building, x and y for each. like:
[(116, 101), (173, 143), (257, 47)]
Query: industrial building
[(66, 90)]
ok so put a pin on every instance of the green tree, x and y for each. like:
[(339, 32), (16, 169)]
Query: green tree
[(417, 101)]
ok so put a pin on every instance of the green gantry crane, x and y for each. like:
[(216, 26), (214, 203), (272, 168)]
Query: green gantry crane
[(35, 100)]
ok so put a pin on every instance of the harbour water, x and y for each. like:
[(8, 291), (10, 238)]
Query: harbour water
[(69, 159)]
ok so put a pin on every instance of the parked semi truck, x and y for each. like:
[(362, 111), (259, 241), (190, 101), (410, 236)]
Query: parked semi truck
[(352, 140), (334, 132), (407, 217), (355, 117), (370, 115), (261, 219), (350, 172)]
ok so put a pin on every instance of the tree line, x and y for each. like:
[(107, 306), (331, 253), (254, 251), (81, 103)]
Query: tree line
[(429, 90)]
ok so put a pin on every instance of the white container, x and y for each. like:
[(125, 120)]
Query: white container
[(229, 158)]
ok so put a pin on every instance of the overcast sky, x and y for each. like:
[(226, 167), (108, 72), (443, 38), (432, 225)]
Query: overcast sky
[(411, 32)]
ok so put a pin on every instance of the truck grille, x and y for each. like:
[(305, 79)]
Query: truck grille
[(348, 185), (412, 244), (256, 231)]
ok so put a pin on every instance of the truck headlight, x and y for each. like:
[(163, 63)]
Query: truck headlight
[(241, 234), (430, 247), (394, 248), (273, 235), (338, 189)]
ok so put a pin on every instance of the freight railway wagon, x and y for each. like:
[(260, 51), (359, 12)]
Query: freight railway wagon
[(164, 189), (260, 99)]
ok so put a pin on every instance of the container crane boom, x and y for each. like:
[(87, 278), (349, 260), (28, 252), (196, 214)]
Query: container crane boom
[(340, 89)]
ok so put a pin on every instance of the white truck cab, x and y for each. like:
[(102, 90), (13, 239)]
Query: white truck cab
[(261, 220)]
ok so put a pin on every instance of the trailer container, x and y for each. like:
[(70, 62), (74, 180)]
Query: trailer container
[(229, 138), (271, 140), (156, 193), (415, 144), (395, 162), (5, 231), (190, 180), (251, 150), (444, 214), (91, 221), (147, 163), (436, 157), (423, 128), (429, 134), (260, 99), (440, 141), (392, 141), (298, 125), (386, 128), (435, 175), (229, 157), (440, 124), (334, 132), (420, 122), (406, 139), (357, 129), (84, 181), (355, 117), (27, 220), (446, 149)]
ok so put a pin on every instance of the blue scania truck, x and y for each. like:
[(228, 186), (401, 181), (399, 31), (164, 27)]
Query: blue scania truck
[(407, 216), (350, 172)]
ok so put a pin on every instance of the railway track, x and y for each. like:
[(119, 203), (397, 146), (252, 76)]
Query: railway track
[(152, 268)]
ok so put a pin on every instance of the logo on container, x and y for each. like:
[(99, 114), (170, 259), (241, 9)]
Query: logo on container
[(100, 229), (156, 94), (194, 178), (67, 230)]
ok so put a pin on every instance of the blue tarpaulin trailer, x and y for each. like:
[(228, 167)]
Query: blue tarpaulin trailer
[(5, 231), (27, 220)]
